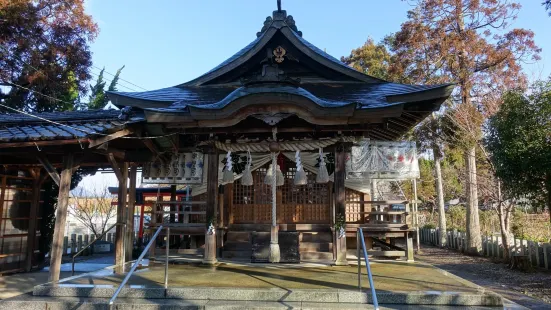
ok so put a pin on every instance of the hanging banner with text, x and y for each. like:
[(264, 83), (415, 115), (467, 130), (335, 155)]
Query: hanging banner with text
[(370, 159), (183, 168)]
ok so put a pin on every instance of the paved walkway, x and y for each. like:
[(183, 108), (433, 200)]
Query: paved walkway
[(20, 283), (496, 277)]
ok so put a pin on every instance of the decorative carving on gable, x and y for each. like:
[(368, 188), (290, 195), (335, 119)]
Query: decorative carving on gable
[(270, 73), (271, 119), (279, 53)]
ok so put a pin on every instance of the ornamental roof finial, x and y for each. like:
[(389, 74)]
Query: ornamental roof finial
[(279, 5)]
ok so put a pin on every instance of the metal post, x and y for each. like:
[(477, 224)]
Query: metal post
[(167, 253), (359, 261), (369, 274)]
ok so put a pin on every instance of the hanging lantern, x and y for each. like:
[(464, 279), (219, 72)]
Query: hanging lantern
[(279, 175), (300, 175), (228, 172), (247, 178), (323, 175)]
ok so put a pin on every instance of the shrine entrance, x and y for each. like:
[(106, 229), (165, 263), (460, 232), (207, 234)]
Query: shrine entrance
[(304, 204)]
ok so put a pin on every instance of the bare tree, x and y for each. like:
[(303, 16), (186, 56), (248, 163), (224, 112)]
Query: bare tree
[(500, 202), (94, 211)]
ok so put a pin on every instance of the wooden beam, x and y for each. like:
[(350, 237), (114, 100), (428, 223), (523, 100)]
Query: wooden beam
[(130, 213), (340, 205), (152, 147), (61, 218), (121, 133), (43, 143), (115, 166), (50, 168), (121, 218), (33, 215), (209, 256)]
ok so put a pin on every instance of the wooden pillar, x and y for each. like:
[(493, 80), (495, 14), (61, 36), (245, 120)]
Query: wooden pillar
[(33, 214), (340, 203), (129, 244), (61, 218), (212, 200), (120, 231), (228, 205), (220, 221), (409, 247), (172, 217)]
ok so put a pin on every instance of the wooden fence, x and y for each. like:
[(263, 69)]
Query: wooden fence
[(538, 254)]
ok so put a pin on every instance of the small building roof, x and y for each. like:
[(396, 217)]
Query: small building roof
[(16, 127)]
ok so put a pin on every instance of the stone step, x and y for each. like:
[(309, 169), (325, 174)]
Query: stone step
[(202, 296), (237, 254), (316, 255), (316, 237), (237, 246), (316, 246), (238, 236), (172, 304)]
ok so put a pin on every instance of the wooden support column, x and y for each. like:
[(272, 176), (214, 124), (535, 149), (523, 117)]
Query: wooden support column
[(340, 203), (220, 221), (172, 217), (228, 203), (33, 214), (61, 218), (212, 200), (130, 213), (120, 232)]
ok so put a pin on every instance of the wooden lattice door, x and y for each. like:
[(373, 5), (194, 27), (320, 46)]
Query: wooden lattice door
[(295, 204)]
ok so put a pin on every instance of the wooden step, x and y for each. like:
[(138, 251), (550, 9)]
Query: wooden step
[(316, 246), (237, 254), (316, 237), (237, 246), (238, 236), (316, 255)]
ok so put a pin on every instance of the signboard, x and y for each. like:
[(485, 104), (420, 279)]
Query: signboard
[(382, 160), (102, 247), (183, 168)]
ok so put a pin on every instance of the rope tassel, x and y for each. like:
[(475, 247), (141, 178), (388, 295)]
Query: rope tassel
[(228, 172), (247, 178), (300, 175), (323, 175)]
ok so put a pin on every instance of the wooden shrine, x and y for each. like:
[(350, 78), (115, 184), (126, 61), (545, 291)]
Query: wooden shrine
[(278, 95)]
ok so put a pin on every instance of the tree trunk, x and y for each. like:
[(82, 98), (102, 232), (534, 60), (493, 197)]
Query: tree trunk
[(440, 196), (504, 223), (474, 241), (548, 185)]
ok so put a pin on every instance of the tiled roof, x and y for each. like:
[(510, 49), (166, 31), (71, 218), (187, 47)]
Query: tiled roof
[(68, 125), (365, 95)]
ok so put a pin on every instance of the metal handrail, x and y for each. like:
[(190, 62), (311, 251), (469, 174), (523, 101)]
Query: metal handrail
[(137, 262), (92, 243), (360, 242)]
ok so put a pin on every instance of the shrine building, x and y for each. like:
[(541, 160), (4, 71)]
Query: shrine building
[(279, 149)]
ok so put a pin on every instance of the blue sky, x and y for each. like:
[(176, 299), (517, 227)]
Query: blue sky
[(164, 43)]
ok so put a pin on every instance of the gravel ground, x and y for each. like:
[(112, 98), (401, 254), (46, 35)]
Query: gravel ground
[(532, 290)]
